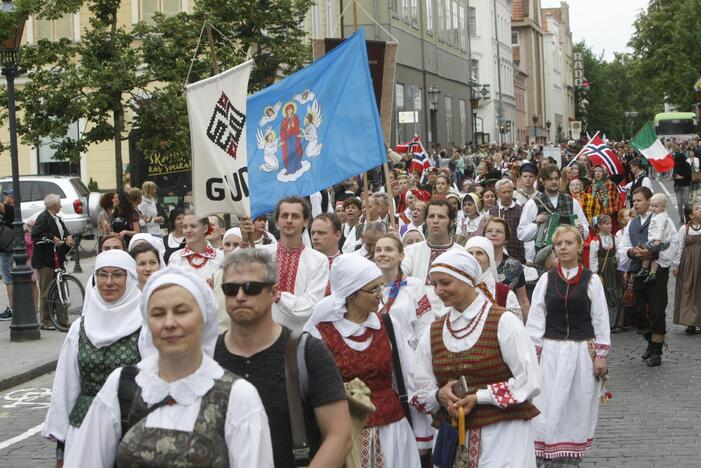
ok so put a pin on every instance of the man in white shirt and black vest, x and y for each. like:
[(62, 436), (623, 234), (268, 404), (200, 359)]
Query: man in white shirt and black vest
[(640, 179), (650, 298)]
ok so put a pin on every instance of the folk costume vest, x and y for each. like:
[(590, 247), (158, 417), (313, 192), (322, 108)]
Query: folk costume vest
[(568, 308), (373, 366), (206, 445), (96, 364), (482, 365), (565, 205)]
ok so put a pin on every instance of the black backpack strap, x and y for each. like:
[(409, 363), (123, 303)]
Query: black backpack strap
[(397, 366), (125, 393), (300, 442)]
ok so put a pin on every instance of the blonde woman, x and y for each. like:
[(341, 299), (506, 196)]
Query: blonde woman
[(149, 209), (569, 324)]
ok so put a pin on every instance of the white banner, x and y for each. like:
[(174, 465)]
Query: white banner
[(217, 111)]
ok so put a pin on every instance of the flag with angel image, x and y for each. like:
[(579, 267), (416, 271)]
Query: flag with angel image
[(314, 128)]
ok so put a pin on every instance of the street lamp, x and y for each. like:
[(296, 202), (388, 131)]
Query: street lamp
[(535, 128), (474, 102), (433, 93), (548, 124), (630, 117), (24, 325)]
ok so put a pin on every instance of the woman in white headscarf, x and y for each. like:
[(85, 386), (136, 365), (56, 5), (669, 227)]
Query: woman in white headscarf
[(473, 219), (106, 337), (349, 324), (185, 407), (155, 242), (482, 249), (477, 358)]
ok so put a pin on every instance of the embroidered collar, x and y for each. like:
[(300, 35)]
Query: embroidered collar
[(287, 251), (439, 246), (208, 252), (184, 391)]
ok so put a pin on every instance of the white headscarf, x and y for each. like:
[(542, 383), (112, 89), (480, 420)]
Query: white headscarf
[(349, 273), (233, 232), (156, 243), (106, 323), (490, 275), (198, 288), (459, 264)]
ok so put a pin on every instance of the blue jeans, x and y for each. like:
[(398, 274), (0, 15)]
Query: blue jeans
[(6, 262)]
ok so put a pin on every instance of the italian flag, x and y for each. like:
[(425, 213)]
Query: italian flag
[(652, 149)]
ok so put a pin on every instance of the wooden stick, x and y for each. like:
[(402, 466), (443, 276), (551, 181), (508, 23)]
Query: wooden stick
[(390, 195), (355, 15)]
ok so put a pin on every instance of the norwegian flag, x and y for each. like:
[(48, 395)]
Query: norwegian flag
[(622, 192), (601, 155), (420, 160)]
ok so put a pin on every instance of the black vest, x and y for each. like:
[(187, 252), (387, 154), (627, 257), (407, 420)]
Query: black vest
[(638, 182), (570, 320), (637, 233)]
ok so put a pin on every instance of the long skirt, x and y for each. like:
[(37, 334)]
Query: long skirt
[(687, 292), (608, 271), (568, 400), (388, 446)]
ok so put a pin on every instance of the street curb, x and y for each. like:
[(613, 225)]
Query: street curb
[(28, 375)]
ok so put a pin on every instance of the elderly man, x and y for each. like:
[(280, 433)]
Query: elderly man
[(491, 371), (507, 209), (255, 348), (49, 233)]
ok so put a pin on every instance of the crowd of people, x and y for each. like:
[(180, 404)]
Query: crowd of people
[(469, 312)]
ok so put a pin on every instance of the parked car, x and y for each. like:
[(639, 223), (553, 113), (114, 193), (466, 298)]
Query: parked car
[(74, 199)]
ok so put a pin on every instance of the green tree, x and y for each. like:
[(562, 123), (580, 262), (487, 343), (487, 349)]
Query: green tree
[(666, 43)]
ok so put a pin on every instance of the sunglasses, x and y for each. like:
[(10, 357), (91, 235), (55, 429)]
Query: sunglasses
[(250, 288)]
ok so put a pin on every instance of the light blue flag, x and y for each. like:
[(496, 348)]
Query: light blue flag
[(315, 128)]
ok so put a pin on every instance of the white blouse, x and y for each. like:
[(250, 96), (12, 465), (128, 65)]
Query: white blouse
[(599, 312), (205, 272), (602, 242), (246, 428), (682, 243), (422, 428), (516, 349), (411, 309)]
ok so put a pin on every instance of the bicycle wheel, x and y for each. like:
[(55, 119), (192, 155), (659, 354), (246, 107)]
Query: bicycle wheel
[(65, 305)]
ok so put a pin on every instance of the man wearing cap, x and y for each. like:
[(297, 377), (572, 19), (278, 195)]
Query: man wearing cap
[(7, 212), (477, 357), (440, 222), (528, 173)]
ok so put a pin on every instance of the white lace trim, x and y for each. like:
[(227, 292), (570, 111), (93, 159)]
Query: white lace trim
[(185, 391)]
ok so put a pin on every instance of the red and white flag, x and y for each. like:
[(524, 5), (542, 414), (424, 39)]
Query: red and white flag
[(420, 160), (601, 155)]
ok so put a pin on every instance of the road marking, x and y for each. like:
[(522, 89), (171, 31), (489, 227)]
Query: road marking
[(32, 398), (25, 435)]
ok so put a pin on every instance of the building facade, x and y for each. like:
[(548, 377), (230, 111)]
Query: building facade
[(553, 66), (527, 29), (562, 17), (433, 68)]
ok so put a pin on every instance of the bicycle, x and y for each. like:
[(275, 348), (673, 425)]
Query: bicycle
[(66, 295)]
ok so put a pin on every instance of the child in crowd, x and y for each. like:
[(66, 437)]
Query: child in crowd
[(661, 229), (603, 260)]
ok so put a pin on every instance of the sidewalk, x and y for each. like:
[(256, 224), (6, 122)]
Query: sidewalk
[(24, 361)]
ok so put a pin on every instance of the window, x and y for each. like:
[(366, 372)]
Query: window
[(448, 120), (514, 38), (45, 155), (463, 121), (49, 187), (429, 17), (441, 20), (448, 22), (29, 191), (475, 69), (455, 30), (418, 104), (395, 7), (414, 13), (316, 20), (330, 20), (472, 22), (462, 32), (404, 9), (399, 95), (54, 30), (151, 7)]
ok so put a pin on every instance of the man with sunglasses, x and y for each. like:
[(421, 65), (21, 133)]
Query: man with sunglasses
[(302, 273), (254, 348)]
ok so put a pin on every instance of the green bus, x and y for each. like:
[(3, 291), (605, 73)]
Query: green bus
[(676, 125)]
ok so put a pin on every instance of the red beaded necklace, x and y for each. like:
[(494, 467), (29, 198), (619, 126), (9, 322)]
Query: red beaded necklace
[(571, 283), (470, 327)]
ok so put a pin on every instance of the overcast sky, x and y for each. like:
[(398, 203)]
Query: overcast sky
[(605, 25)]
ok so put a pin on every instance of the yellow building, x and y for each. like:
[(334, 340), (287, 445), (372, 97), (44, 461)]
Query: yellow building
[(98, 162)]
